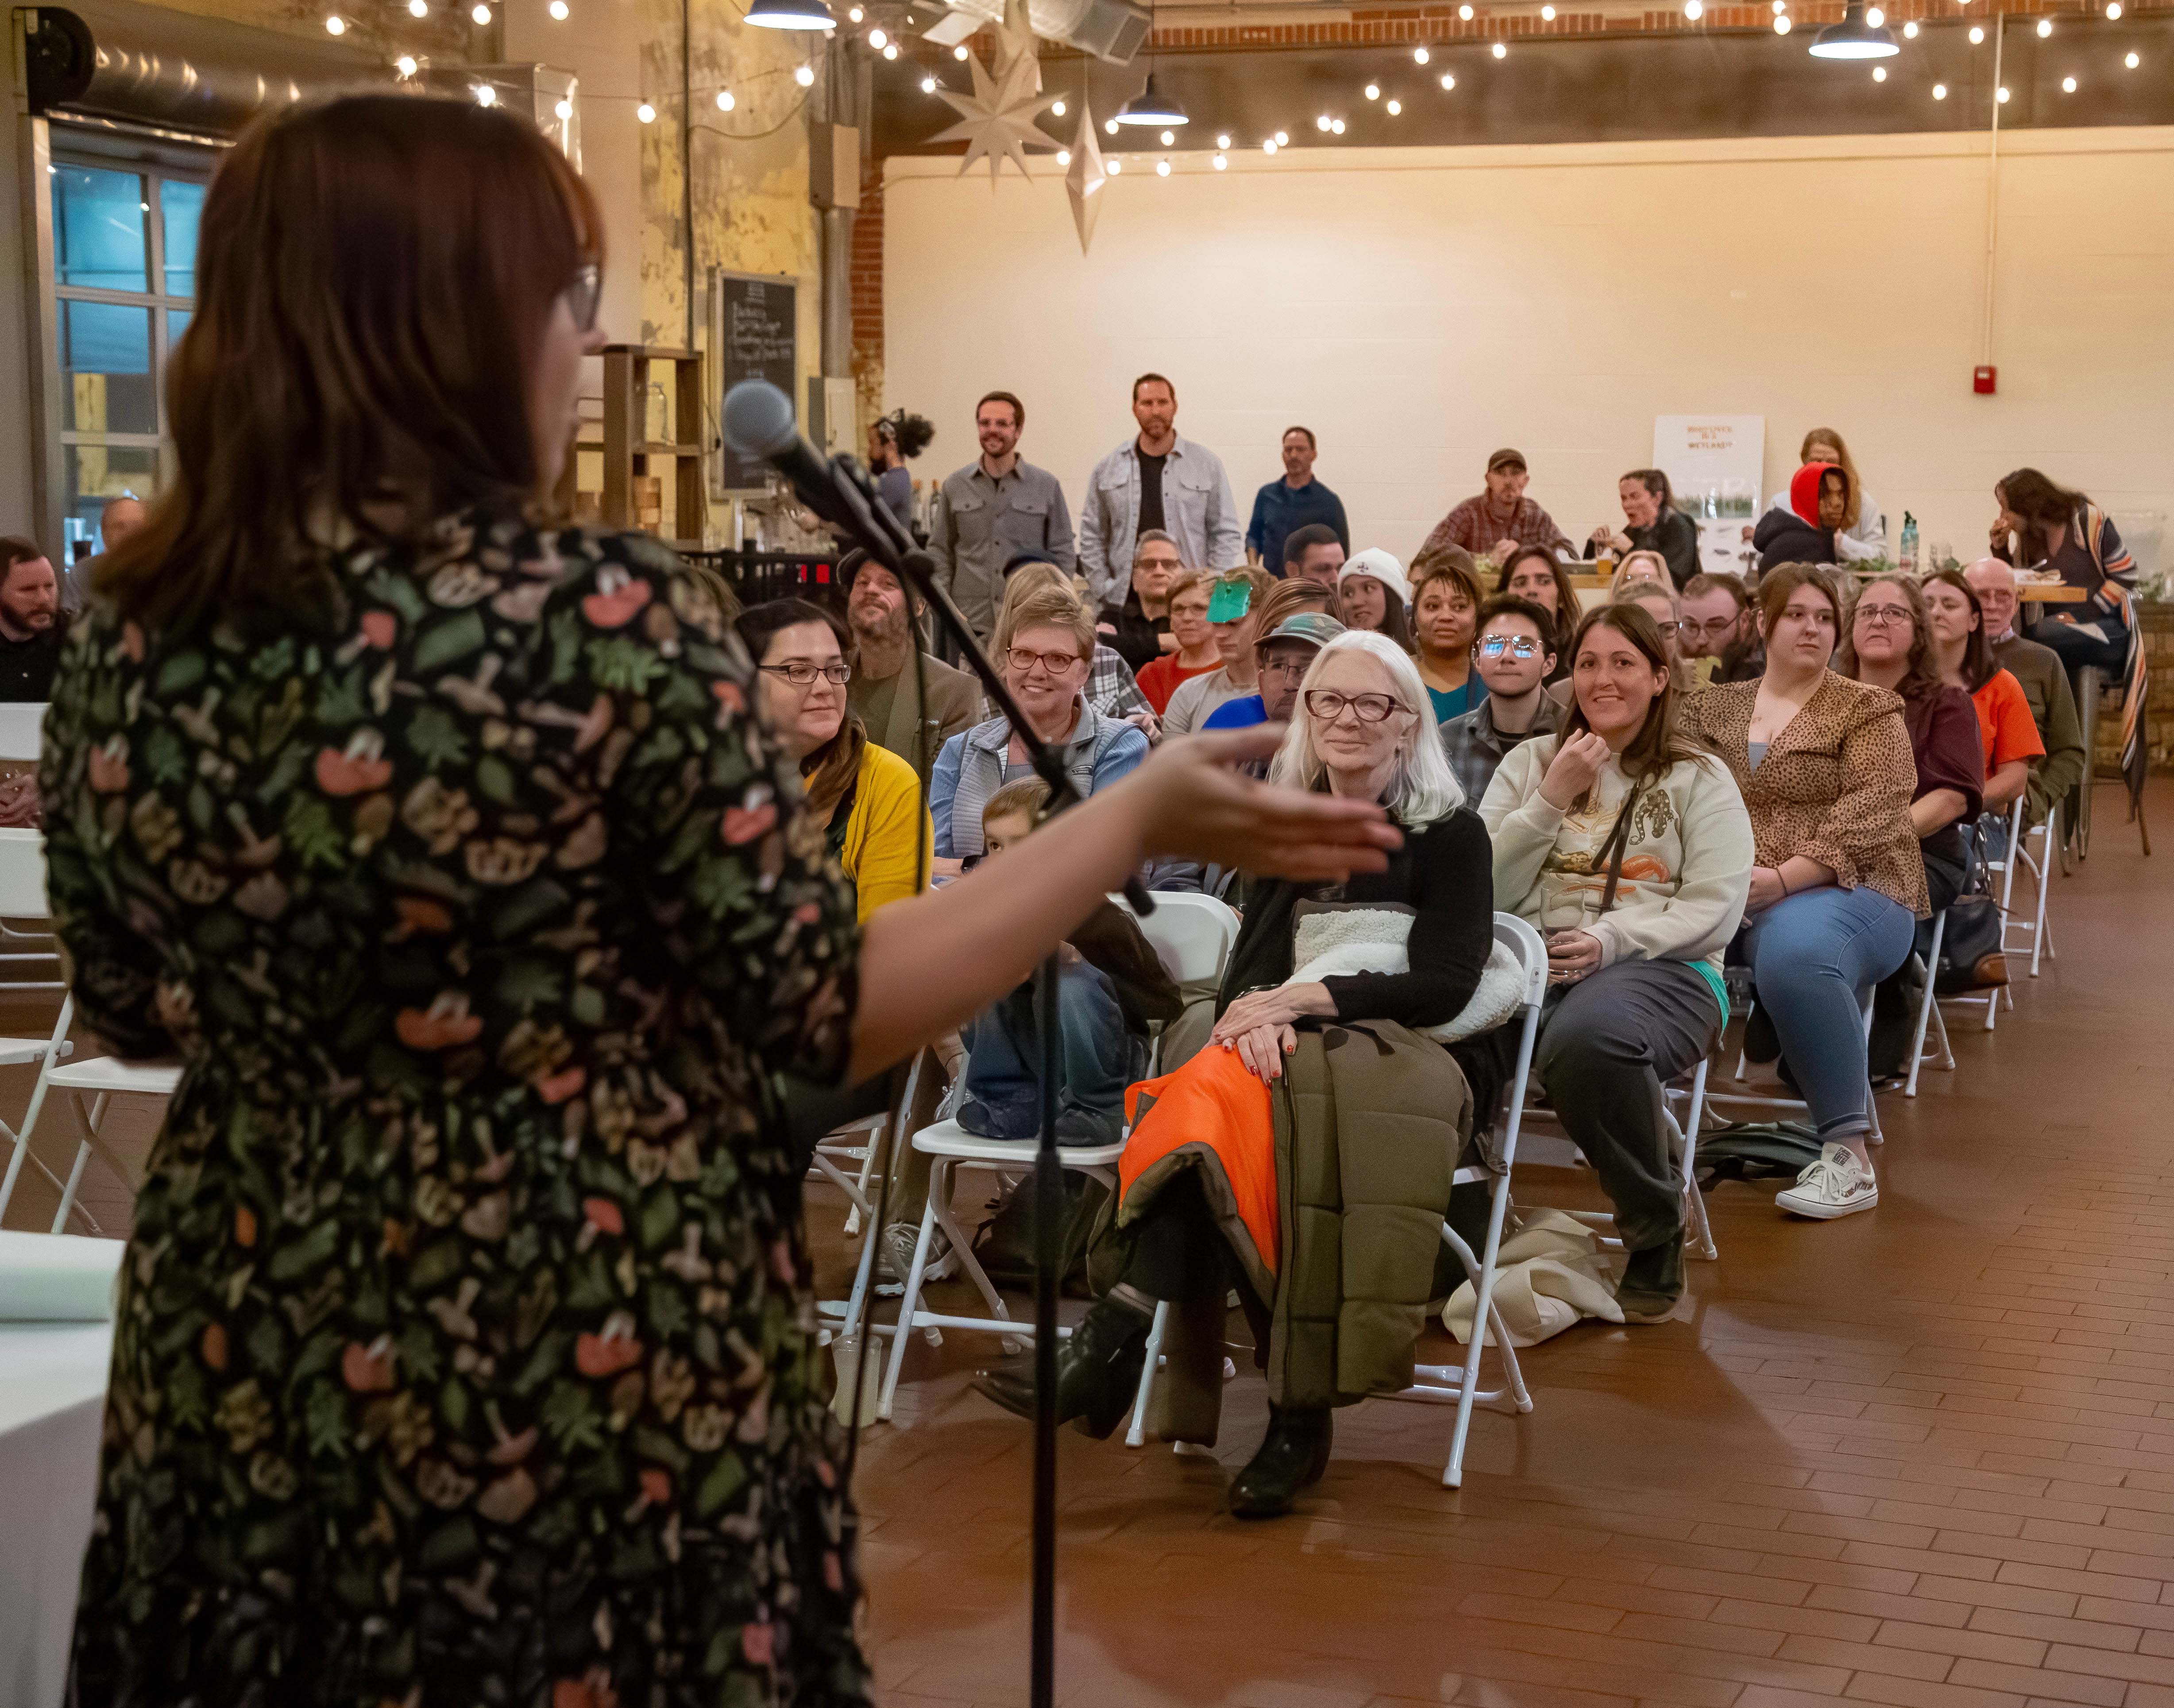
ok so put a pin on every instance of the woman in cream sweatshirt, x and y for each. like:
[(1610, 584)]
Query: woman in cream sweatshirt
[(1634, 948)]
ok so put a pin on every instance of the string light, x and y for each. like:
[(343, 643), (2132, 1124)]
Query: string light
[(418, 9), (1977, 36), (1420, 55), (1170, 139), (405, 65), (1875, 18), (485, 95), (2001, 95), (1222, 142), (1336, 127), (1910, 30), (1448, 81), (2113, 11), (1395, 107), (645, 114), (876, 40), (1781, 24), (959, 52), (2132, 61), (2044, 28), (2067, 85), (1323, 122), (1373, 91), (1464, 13), (891, 51), (1694, 10), (725, 101), (1116, 167), (1268, 145), (1111, 126), (336, 26), (1879, 73), (560, 11), (928, 85), (481, 14), (1500, 51), (1939, 91), (804, 75), (1547, 14), (855, 15), (1057, 108), (1162, 168), (1283, 139), (1064, 157), (1781, 5), (564, 109), (1222, 163)]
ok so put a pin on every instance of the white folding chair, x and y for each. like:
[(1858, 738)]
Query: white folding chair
[(1755, 1100), (1929, 1010), (1191, 936), (29, 955), (2038, 928), (23, 897), (94, 1084), (882, 1133)]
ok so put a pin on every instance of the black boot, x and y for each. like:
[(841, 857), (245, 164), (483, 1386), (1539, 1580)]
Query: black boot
[(1290, 1459), (1652, 1282), (1098, 1371)]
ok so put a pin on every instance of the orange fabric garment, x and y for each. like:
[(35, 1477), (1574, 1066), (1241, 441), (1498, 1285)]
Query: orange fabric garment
[(1161, 678), (1211, 1101), (2004, 722)]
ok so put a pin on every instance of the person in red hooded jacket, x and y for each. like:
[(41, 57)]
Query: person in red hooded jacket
[(1804, 533)]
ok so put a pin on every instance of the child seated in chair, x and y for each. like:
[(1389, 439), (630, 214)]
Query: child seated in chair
[(1110, 987)]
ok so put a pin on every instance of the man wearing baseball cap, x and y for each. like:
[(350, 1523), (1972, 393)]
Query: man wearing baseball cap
[(885, 622), (1495, 523), (1285, 655)]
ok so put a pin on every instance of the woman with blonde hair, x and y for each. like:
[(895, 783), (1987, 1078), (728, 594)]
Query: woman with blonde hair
[(1199, 1211), (1860, 535)]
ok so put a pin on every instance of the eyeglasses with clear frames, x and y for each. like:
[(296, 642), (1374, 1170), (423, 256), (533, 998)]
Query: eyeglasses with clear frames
[(1055, 663), (1327, 704), (803, 676), (1691, 628), (1881, 616)]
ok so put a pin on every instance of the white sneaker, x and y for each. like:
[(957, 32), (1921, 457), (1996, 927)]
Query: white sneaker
[(1837, 1185), (895, 1256)]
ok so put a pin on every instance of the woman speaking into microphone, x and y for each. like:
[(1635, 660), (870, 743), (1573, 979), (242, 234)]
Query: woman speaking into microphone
[(464, 1349)]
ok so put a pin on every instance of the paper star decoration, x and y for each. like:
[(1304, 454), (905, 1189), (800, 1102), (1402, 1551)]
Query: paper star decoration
[(997, 121), (1084, 182), (1015, 41)]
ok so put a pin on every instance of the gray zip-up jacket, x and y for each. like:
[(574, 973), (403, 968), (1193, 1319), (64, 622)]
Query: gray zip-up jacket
[(1199, 512)]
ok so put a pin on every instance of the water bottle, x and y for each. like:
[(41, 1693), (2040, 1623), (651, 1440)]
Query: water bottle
[(1909, 560)]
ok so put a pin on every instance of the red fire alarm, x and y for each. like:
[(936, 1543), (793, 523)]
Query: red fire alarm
[(1985, 381)]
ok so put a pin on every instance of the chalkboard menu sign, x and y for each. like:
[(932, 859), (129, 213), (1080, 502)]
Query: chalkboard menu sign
[(754, 334)]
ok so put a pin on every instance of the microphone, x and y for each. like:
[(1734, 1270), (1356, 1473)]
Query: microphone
[(759, 422)]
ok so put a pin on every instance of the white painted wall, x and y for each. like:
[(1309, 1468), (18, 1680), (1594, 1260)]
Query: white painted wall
[(1419, 307)]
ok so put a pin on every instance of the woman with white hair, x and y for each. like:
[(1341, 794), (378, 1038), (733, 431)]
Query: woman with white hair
[(1199, 1211)]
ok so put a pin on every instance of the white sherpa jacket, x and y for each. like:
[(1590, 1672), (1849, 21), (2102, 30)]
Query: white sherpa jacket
[(1686, 871)]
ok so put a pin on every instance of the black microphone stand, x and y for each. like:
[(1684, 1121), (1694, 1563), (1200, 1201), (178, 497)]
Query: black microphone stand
[(849, 501)]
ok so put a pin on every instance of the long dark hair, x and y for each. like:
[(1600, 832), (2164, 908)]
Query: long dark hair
[(374, 274), (831, 767), (1655, 481), (1659, 743), (1565, 592), (1978, 661), (1396, 620), (1921, 678), (2038, 500)]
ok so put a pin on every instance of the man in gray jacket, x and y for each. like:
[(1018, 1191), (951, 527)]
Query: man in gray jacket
[(1157, 480), (992, 510)]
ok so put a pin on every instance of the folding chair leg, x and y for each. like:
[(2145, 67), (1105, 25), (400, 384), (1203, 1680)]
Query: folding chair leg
[(1698, 1231), (939, 1179), (14, 1168), (1137, 1434), (2038, 937), (1485, 1316), (1926, 1003), (68, 1192)]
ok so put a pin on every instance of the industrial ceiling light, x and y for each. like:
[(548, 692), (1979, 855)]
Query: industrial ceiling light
[(1151, 106), (790, 14), (1855, 39)]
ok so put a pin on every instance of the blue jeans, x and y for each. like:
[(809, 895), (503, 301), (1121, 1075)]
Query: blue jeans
[(1814, 959), (1096, 1057)]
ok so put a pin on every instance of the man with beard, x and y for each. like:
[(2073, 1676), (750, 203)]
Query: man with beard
[(991, 511), (882, 694)]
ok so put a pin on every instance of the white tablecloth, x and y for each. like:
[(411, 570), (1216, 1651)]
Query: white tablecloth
[(52, 1398)]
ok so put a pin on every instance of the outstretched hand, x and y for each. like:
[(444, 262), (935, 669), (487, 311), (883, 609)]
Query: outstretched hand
[(1198, 807)]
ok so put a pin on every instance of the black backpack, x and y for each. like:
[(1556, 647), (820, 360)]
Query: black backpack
[(1752, 1151)]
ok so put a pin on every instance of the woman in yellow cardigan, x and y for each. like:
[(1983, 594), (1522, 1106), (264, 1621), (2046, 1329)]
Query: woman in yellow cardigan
[(868, 799)]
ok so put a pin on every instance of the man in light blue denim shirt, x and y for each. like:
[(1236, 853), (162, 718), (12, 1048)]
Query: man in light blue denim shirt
[(1156, 480)]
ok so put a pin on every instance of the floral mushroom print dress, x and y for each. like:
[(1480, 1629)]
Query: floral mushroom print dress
[(464, 1351)]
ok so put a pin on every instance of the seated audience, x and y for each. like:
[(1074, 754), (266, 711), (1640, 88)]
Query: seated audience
[(1657, 599), (1515, 657), (1495, 523), (1200, 1212), (1535, 573), (1825, 765), (1860, 533), (2045, 686), (2045, 526), (1244, 597), (1652, 523), (1139, 627), (1111, 688), (885, 693), (1372, 594), (120, 518), (1282, 655), (1962, 655), (1641, 566), (1805, 532), (1627, 844), (1110, 987), (1446, 600), (1891, 644), (1197, 654), (1715, 633), (1044, 640), (32, 630), (1314, 553)]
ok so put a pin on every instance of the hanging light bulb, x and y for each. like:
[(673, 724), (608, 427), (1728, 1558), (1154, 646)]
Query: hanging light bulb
[(1781, 24), (1373, 91), (1781, 5), (1064, 157), (2001, 95), (1116, 167), (1448, 81), (876, 40), (336, 26), (2044, 28), (418, 9), (1547, 14), (645, 114), (1222, 142), (560, 12), (959, 53), (1170, 139), (1283, 139), (804, 75), (485, 95), (1876, 18), (1395, 107), (725, 101), (1268, 145), (564, 109), (1111, 126), (1465, 12), (1058, 109), (1222, 163), (2067, 85), (1162, 168), (1336, 127), (891, 51), (1500, 51), (1879, 73), (405, 65), (1939, 91), (1323, 122), (1420, 55), (481, 14), (2113, 11), (855, 15), (1910, 30), (1694, 10), (1977, 36), (2132, 61)]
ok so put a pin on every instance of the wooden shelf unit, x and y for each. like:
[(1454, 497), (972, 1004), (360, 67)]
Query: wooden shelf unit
[(627, 451)]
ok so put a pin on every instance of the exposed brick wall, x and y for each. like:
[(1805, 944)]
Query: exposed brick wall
[(867, 293)]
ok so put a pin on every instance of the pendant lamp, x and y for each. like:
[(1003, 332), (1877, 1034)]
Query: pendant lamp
[(1854, 39), (790, 14), (1151, 106)]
